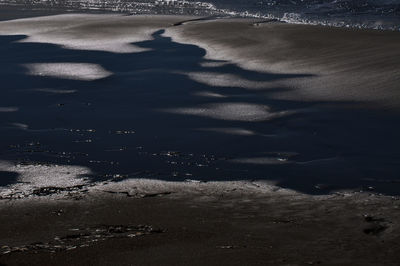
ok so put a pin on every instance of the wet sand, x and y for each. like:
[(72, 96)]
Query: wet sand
[(115, 95), (235, 172)]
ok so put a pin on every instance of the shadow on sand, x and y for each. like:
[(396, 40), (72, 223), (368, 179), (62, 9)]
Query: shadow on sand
[(149, 119)]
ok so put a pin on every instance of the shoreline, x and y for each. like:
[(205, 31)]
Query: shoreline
[(294, 48), (59, 214)]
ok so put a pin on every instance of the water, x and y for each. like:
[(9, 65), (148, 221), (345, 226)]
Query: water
[(374, 14), (139, 115), (151, 120)]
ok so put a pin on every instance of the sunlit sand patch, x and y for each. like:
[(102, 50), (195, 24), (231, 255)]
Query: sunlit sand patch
[(85, 42), (66, 181), (209, 94), (64, 30), (232, 52), (8, 109), (245, 112), (75, 71), (31, 177), (133, 187), (55, 91), (227, 80), (110, 33), (339, 65)]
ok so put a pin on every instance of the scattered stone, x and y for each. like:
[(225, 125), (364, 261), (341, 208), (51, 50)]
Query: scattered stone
[(84, 238), (375, 229), (58, 212), (377, 225), (45, 191), (370, 219)]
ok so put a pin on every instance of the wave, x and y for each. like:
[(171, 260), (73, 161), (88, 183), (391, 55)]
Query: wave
[(374, 14)]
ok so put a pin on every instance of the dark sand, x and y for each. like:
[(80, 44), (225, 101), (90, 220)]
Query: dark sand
[(225, 229), (238, 123)]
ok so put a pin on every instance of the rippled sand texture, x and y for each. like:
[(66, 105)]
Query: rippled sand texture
[(348, 65), (114, 98)]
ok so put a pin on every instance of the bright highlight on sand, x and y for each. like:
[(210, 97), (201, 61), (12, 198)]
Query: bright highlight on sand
[(75, 71), (227, 80), (31, 177), (117, 45), (108, 33), (245, 112), (209, 94)]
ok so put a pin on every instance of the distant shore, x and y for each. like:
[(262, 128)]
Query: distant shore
[(61, 215)]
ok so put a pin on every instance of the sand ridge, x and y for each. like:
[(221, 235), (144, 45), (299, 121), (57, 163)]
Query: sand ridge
[(343, 64)]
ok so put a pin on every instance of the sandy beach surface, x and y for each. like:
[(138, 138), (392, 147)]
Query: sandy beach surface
[(171, 140), (233, 225), (346, 64)]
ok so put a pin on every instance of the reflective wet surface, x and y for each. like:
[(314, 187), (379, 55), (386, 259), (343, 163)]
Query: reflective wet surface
[(149, 118), (376, 14)]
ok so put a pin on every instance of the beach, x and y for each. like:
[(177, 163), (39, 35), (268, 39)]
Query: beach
[(186, 140), (348, 65), (245, 226)]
